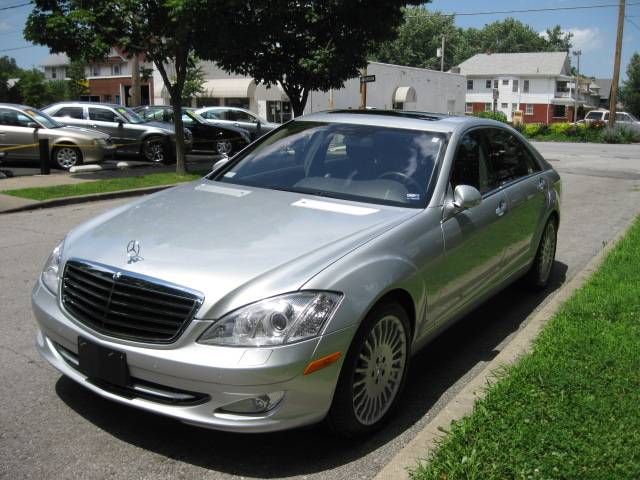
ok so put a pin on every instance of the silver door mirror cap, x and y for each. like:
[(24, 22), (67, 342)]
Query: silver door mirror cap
[(465, 197), (33, 125), (220, 163)]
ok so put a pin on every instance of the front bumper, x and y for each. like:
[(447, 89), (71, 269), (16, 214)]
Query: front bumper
[(216, 376), (97, 153)]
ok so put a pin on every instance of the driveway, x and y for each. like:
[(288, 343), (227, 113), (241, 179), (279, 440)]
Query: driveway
[(50, 426)]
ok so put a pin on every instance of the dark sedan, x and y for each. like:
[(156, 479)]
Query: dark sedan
[(206, 137)]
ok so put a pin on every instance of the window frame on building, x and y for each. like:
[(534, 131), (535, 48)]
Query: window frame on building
[(556, 109), (505, 82), (488, 107), (525, 86), (488, 84), (515, 86), (528, 109), (468, 107), (469, 84)]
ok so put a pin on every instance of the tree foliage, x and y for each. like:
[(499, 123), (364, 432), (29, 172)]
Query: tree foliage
[(35, 90), (165, 32), (305, 46), (421, 32), (630, 90), (194, 83), (8, 70), (77, 80)]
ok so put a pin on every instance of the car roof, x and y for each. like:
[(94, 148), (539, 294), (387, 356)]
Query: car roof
[(93, 104), (414, 120), (18, 106)]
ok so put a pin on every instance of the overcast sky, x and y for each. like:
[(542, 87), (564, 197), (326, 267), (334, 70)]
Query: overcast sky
[(594, 29)]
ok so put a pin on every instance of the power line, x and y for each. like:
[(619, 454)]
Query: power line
[(528, 10), (16, 6), (632, 22), (19, 48)]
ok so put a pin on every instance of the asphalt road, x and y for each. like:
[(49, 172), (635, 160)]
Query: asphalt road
[(50, 427)]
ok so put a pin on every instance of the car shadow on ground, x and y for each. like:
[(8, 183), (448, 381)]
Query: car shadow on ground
[(434, 370)]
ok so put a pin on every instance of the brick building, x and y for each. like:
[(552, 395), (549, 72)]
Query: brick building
[(539, 84), (109, 79)]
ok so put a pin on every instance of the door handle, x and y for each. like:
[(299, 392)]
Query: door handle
[(502, 208), (236, 124), (542, 184)]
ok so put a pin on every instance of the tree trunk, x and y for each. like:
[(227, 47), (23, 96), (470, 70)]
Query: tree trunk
[(297, 97), (135, 82)]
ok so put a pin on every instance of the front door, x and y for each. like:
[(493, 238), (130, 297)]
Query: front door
[(17, 130), (474, 239), (520, 176), (106, 120)]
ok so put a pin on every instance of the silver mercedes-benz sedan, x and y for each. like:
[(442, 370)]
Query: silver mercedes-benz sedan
[(293, 283)]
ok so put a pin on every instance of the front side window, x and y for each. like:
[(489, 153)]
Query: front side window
[(130, 115), (357, 162), (622, 117), (213, 114), (239, 116), (13, 118), (42, 118), (470, 164), (594, 116), (509, 159), (70, 112), (102, 115)]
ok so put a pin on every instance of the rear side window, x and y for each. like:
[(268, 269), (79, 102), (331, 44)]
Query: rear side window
[(213, 115), (102, 115), (70, 112), (594, 116), (509, 159), (239, 116)]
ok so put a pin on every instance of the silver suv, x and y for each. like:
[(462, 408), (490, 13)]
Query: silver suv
[(237, 117), (132, 134)]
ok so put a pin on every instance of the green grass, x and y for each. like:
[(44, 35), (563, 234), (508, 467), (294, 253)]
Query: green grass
[(571, 408), (102, 186)]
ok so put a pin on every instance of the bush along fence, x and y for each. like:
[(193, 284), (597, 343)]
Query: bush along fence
[(594, 132)]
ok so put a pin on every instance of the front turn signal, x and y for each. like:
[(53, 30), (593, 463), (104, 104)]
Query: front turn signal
[(322, 362)]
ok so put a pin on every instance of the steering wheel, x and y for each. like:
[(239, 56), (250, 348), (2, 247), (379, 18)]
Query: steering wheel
[(406, 179)]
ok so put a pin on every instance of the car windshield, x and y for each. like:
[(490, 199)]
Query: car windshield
[(42, 118), (354, 162), (194, 116), (130, 115)]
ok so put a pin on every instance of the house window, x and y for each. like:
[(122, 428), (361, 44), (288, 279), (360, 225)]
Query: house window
[(488, 107), (514, 107), (525, 86), (559, 111), (95, 70), (529, 109), (515, 86), (469, 84), (54, 74), (116, 69), (505, 81), (468, 108), (488, 84), (504, 106), (495, 83)]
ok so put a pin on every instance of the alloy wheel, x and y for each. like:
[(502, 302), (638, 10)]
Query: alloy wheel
[(379, 370), (223, 147), (547, 251), (66, 157), (154, 150)]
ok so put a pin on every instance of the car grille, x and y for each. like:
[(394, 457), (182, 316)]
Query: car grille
[(126, 305)]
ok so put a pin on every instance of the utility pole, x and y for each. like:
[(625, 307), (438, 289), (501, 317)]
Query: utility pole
[(577, 53), (363, 91), (442, 55), (616, 67)]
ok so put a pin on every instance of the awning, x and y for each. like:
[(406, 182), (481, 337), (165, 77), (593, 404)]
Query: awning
[(405, 95), (229, 88)]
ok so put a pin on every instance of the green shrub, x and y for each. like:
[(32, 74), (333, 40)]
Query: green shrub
[(620, 134), (532, 129), (499, 116), (559, 128)]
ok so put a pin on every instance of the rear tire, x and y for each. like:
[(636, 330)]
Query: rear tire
[(537, 278), (155, 150), (66, 156), (373, 374)]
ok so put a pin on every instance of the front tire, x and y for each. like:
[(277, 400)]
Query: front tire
[(537, 278), (66, 156), (154, 149), (373, 373)]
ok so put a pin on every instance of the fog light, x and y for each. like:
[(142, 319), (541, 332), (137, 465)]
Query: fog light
[(259, 404)]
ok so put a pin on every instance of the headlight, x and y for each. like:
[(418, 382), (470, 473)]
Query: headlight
[(276, 321), (51, 272)]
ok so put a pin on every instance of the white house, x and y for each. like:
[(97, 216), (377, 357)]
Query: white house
[(539, 84), (394, 87)]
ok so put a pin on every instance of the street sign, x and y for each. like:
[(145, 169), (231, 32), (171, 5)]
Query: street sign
[(368, 79)]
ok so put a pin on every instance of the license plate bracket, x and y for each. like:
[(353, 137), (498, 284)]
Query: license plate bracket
[(102, 363)]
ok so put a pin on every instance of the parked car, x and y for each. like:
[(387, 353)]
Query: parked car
[(237, 117), (151, 141), (294, 282), (223, 140), (25, 126), (622, 118)]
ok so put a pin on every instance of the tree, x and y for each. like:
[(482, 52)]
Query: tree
[(8, 70), (630, 90), (166, 32), (33, 88), (77, 80), (557, 40), (194, 83), (304, 46)]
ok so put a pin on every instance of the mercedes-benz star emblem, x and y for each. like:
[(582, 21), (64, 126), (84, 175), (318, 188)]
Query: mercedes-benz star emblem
[(133, 252)]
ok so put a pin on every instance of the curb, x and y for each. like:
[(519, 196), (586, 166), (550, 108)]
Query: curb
[(427, 440), (92, 197)]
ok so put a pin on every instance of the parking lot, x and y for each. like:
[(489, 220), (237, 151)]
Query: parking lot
[(49, 426)]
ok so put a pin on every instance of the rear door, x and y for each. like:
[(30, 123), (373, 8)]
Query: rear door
[(244, 120), (474, 239), (518, 173), (73, 115)]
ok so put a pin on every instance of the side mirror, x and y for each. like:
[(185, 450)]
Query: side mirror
[(33, 125), (464, 197), (120, 123), (219, 164)]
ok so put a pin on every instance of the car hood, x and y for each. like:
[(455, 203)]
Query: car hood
[(234, 244), (162, 125)]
